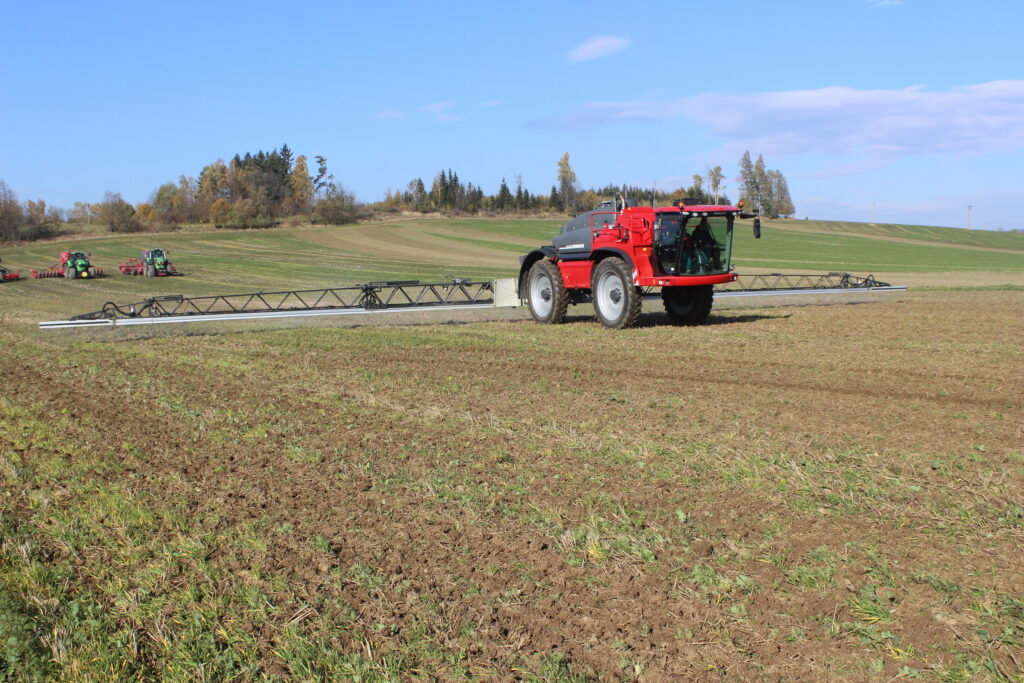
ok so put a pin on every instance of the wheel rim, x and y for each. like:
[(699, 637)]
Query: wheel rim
[(541, 297), (611, 295)]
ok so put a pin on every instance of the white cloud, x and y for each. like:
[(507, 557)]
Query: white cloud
[(879, 125), (598, 46), (440, 111)]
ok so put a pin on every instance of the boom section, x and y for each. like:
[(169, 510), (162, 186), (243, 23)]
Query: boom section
[(373, 296)]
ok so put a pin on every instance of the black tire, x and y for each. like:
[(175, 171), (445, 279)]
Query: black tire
[(93, 272), (70, 272), (148, 270), (688, 305), (617, 300), (545, 293)]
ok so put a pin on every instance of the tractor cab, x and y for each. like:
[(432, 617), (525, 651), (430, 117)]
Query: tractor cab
[(77, 263), (156, 258), (154, 263)]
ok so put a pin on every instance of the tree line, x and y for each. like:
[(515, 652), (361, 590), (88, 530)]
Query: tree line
[(764, 189), (257, 190)]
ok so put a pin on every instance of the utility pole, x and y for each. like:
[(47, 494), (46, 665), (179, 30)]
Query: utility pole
[(969, 207)]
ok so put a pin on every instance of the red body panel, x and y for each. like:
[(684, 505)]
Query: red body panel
[(576, 274), (632, 233)]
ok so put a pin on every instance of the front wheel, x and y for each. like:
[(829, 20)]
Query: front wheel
[(545, 293), (688, 305), (616, 299)]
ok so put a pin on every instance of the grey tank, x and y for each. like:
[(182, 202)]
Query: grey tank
[(576, 238)]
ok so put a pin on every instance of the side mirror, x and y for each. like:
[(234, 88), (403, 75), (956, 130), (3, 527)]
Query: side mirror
[(757, 228)]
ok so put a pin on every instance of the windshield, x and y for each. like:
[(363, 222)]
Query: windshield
[(694, 245)]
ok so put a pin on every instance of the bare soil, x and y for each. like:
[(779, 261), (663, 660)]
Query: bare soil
[(503, 480)]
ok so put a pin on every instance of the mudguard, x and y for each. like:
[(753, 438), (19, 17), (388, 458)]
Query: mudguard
[(526, 262), (605, 252)]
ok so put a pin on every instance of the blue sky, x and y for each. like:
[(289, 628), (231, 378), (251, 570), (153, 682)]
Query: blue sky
[(887, 110)]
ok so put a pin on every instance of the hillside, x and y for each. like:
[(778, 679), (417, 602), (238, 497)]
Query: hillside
[(306, 256)]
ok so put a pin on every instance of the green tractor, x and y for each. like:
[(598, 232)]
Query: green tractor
[(72, 265), (155, 263), (76, 265)]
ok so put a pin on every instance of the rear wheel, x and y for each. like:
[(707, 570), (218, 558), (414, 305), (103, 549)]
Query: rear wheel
[(616, 299), (545, 293), (70, 272), (688, 305), (148, 270)]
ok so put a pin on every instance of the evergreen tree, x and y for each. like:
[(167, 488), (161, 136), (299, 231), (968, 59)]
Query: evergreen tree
[(456, 193), (439, 190), (782, 203), (503, 200), (321, 180), (286, 159), (762, 192)]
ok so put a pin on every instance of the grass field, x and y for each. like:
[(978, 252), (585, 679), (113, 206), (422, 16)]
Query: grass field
[(800, 492), (310, 257)]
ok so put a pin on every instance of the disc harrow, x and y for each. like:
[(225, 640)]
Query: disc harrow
[(7, 275)]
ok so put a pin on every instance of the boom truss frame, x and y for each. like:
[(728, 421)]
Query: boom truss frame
[(409, 295)]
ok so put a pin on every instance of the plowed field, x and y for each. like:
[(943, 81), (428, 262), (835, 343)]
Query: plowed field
[(789, 493)]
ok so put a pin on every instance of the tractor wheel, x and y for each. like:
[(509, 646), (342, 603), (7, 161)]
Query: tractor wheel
[(545, 293), (148, 270), (92, 271), (688, 305), (70, 272), (617, 300)]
